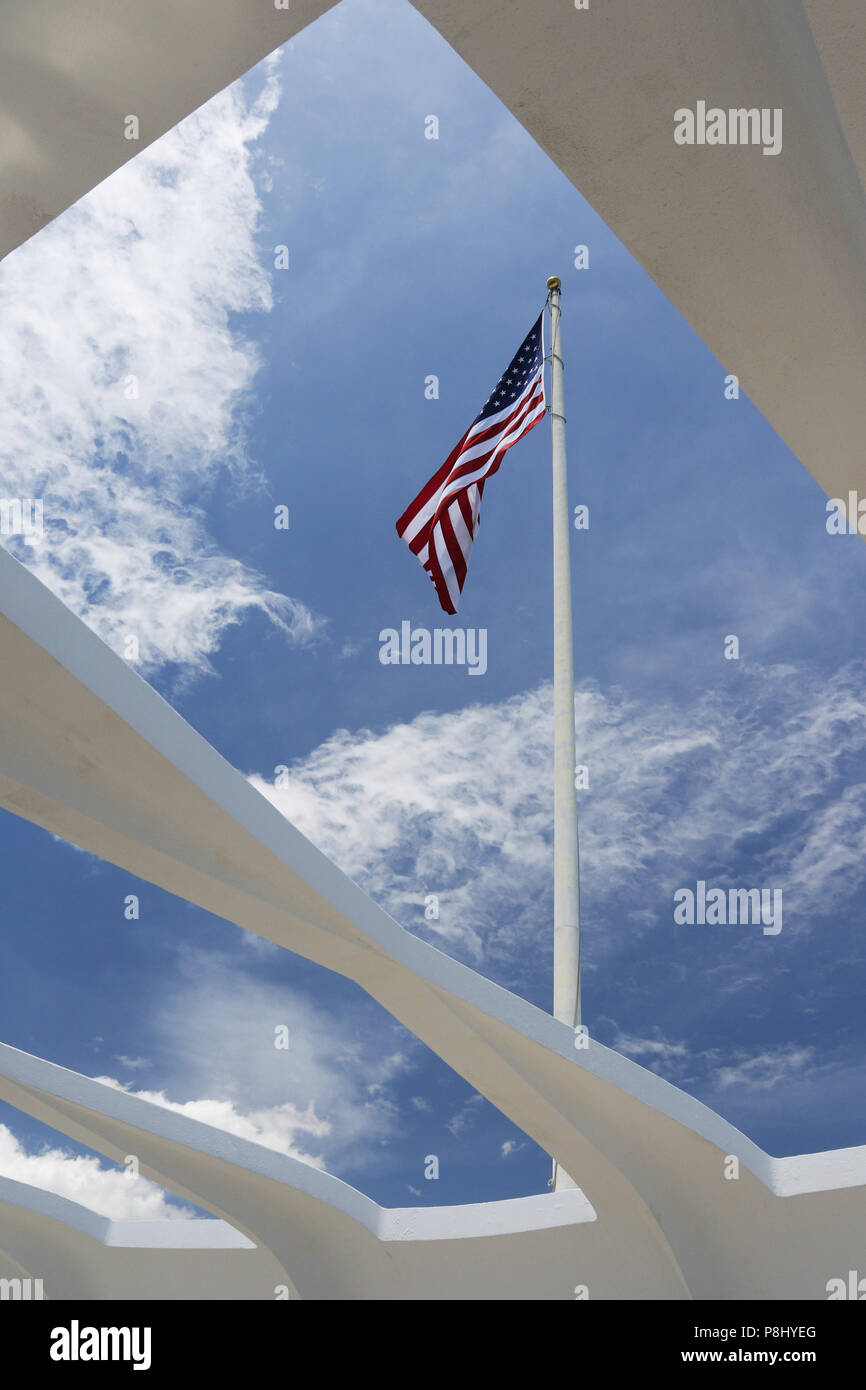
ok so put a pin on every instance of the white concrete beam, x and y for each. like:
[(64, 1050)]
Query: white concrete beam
[(78, 1254), (765, 256), (72, 70)]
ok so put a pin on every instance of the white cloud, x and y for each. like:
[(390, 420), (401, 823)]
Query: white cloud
[(676, 792), (465, 1115), (138, 280), (511, 1146), (328, 1099), (656, 1049), (112, 1192), (410, 812), (133, 1063), (275, 1127), (766, 1069), (715, 1070), (460, 805)]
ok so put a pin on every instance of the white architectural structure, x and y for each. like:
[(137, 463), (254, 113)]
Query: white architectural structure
[(768, 262), (90, 752)]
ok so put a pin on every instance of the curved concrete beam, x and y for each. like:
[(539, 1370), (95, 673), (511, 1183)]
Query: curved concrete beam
[(77, 1254), (839, 30), (765, 256), (71, 74), (91, 753), (314, 1233)]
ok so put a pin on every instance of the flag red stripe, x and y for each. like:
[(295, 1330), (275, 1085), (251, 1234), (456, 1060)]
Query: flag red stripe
[(441, 523)]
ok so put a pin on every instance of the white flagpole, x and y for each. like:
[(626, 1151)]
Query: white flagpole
[(566, 858)]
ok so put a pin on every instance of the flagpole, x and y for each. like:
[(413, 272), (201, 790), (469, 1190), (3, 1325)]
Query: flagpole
[(566, 857)]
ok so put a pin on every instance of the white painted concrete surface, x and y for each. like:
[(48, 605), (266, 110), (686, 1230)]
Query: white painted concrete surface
[(91, 753), (530, 1247), (765, 256), (71, 71)]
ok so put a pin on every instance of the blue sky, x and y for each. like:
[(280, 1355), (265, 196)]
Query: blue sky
[(305, 387)]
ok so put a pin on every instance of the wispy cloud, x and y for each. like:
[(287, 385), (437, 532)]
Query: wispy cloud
[(766, 1069), (125, 381), (465, 1116), (720, 1069), (511, 1146), (328, 1097), (254, 1059), (756, 782), (650, 1049), (460, 805), (133, 1063)]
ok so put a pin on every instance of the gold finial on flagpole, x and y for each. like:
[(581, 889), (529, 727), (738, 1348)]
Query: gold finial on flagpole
[(554, 283)]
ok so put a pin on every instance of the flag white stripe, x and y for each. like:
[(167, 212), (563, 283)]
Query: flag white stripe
[(490, 420), (483, 449), (461, 530), (452, 488), (445, 565), (441, 528)]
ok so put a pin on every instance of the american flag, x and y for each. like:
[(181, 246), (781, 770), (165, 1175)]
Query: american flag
[(440, 525)]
